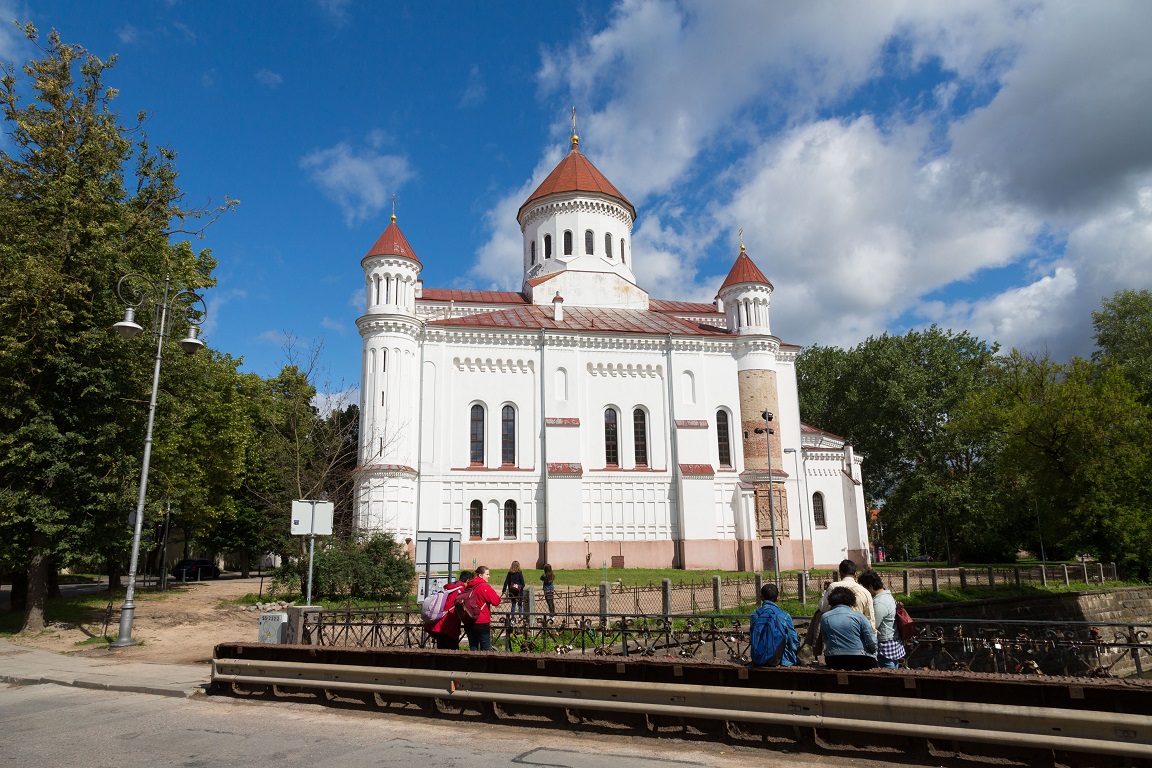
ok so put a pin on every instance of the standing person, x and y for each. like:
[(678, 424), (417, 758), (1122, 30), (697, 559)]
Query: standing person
[(480, 594), (772, 633), (514, 587), (863, 602), (549, 579), (446, 631), (890, 646), (849, 640)]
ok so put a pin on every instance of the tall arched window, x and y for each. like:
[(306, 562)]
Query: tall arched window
[(568, 242), (589, 242), (818, 519), (608, 245), (640, 437), (383, 360), (476, 520), (611, 438), (533, 251), (508, 435), (510, 519), (477, 435), (722, 439), (547, 246), (623, 257)]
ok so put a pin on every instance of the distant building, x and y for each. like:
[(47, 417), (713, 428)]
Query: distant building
[(579, 422)]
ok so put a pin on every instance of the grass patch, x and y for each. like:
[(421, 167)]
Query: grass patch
[(105, 640), (77, 610)]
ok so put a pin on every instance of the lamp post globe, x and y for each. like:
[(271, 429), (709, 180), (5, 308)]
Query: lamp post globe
[(134, 290)]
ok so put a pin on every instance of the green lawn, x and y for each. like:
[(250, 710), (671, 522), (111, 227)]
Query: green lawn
[(80, 610)]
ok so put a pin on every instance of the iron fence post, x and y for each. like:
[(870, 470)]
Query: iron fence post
[(666, 597), (1043, 575), (906, 585), (963, 579), (759, 585), (1067, 583), (935, 580), (604, 601), (991, 579), (717, 602)]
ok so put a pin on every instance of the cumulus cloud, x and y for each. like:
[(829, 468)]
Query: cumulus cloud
[(1019, 123), (358, 180)]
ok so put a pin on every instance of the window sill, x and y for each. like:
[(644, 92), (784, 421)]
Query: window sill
[(501, 468)]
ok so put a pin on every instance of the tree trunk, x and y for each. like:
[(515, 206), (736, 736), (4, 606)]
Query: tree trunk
[(245, 565), (38, 566), (114, 574)]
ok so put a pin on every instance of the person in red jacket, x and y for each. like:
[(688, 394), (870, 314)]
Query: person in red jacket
[(446, 631), (480, 631)]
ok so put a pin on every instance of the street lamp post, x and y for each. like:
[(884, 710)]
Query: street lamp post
[(767, 416), (133, 289)]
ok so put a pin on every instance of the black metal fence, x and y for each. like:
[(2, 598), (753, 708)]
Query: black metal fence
[(1005, 647)]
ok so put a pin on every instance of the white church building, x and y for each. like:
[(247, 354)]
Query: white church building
[(579, 421)]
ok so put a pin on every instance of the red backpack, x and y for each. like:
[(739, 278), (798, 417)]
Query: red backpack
[(905, 626), (469, 606)]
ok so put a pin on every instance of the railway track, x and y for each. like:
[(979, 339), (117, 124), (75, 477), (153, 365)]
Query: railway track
[(1034, 721)]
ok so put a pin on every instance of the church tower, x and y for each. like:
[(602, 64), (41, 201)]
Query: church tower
[(745, 298), (577, 231), (389, 387)]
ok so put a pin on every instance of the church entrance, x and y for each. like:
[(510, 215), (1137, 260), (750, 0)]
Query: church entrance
[(768, 554)]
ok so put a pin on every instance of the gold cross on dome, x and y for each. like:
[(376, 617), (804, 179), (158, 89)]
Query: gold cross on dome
[(741, 239), (393, 206)]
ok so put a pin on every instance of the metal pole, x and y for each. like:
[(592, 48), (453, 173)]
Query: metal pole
[(771, 501), (164, 548), (128, 610), (1039, 531)]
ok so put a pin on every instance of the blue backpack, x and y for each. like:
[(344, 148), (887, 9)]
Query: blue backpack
[(768, 636)]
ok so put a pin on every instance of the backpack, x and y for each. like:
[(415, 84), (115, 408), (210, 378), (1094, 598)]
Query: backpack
[(905, 626), (435, 605), (469, 605), (514, 589), (767, 638)]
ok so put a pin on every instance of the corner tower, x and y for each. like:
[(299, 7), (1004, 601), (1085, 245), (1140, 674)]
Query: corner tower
[(577, 230), (389, 386), (745, 298)]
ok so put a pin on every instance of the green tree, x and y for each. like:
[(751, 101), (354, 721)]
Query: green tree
[(1123, 328), (893, 398), (80, 204)]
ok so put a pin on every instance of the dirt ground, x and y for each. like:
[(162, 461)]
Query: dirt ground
[(181, 627)]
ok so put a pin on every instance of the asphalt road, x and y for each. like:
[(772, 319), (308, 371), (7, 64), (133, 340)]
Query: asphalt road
[(50, 726)]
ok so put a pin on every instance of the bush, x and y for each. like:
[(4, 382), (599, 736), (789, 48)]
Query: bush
[(376, 569)]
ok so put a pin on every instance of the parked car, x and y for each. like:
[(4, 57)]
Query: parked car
[(922, 559), (197, 569)]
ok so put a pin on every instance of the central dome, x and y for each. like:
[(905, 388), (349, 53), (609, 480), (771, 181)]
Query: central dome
[(575, 173)]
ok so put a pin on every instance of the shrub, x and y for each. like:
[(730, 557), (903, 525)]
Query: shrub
[(376, 569)]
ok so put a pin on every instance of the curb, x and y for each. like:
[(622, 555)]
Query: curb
[(92, 685)]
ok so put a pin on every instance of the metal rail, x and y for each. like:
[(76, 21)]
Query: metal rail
[(1092, 732)]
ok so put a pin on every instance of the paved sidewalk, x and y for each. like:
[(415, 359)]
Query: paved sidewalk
[(32, 666)]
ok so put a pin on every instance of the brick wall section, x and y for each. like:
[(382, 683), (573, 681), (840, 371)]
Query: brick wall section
[(1121, 605)]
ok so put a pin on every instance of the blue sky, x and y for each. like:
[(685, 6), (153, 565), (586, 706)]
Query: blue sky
[(983, 166)]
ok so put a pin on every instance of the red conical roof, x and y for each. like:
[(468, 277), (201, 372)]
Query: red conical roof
[(392, 243), (744, 271), (575, 173)]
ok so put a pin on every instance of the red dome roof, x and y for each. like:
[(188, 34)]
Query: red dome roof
[(575, 173), (392, 243), (744, 271)]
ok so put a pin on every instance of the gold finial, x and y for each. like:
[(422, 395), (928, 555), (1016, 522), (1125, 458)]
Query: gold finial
[(393, 207), (575, 136), (741, 239)]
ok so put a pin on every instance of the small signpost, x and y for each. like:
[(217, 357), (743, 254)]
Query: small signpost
[(438, 554), (311, 518)]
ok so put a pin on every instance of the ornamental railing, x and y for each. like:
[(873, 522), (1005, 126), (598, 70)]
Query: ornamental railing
[(1004, 647)]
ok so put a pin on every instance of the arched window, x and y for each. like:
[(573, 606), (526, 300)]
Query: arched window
[(547, 246), (508, 435), (476, 520), (818, 519), (611, 439), (477, 435), (640, 437), (722, 439), (568, 242), (608, 245), (623, 257), (383, 360), (533, 251), (509, 519), (589, 242), (387, 290)]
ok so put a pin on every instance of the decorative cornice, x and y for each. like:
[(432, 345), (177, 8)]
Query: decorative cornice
[(691, 423), (553, 421), (697, 470), (747, 344), (378, 322), (386, 470), (407, 263), (565, 469), (616, 370), (499, 364), (584, 204)]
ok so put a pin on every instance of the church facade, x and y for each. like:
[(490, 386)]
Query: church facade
[(580, 422)]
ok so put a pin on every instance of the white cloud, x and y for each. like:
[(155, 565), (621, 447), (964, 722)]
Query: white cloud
[(279, 338), (329, 324), (128, 34), (474, 91), (358, 180), (336, 11), (713, 116), (268, 78)]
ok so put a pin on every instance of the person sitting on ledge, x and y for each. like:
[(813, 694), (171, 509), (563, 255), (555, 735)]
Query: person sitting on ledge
[(849, 640)]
